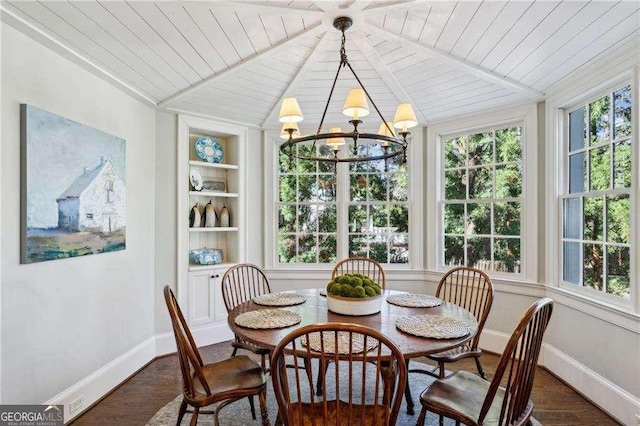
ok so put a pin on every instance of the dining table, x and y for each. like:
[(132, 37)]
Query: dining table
[(315, 310)]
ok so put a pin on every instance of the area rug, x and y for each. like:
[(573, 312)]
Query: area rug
[(239, 414)]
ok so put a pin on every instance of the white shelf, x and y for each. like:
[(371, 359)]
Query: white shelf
[(194, 268), (213, 165), (214, 194), (217, 229)]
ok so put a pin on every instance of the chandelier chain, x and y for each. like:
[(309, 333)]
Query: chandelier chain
[(343, 52)]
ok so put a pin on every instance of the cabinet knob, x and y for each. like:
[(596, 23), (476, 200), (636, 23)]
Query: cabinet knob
[(215, 276)]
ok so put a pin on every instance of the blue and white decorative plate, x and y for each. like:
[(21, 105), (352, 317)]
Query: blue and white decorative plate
[(209, 149)]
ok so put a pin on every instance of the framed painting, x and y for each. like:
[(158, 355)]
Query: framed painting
[(73, 188)]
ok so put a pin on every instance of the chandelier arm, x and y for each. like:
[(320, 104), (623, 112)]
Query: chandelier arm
[(396, 148), (350, 159), (374, 136), (326, 107), (368, 96)]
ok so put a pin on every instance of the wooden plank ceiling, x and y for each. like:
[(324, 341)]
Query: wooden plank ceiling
[(237, 60)]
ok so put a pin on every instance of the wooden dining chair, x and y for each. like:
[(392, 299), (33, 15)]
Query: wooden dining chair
[(361, 265), (355, 265), (370, 375), (470, 400), (240, 284), (472, 290), (205, 384)]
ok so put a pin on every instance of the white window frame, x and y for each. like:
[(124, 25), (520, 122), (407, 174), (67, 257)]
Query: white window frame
[(415, 204), (560, 161), (489, 200), (526, 116)]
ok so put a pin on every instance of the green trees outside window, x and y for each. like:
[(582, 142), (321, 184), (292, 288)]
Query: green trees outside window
[(376, 223), (481, 209), (596, 208)]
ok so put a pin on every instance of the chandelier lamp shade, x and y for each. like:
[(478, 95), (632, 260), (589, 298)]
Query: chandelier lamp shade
[(356, 106)]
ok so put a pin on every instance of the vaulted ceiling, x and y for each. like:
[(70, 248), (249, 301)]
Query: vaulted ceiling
[(237, 60)]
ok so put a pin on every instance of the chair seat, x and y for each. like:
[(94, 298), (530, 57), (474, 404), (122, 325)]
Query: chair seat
[(455, 354), (312, 414), (464, 393), (239, 373)]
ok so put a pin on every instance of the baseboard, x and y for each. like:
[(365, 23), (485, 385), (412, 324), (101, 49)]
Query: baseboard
[(204, 335), (609, 397), (96, 385)]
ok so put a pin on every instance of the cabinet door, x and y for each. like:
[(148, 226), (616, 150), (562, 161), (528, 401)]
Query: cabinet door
[(220, 310), (205, 301)]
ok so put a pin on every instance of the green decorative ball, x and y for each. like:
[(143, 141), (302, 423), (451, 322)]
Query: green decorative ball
[(356, 286)]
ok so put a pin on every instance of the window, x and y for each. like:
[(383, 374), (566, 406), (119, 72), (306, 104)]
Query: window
[(307, 219), (378, 209), (325, 214), (596, 203), (482, 199)]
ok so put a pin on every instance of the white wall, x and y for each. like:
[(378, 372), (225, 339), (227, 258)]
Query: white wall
[(166, 211), (63, 320), (255, 205)]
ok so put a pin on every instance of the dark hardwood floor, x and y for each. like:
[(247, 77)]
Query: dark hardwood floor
[(140, 397)]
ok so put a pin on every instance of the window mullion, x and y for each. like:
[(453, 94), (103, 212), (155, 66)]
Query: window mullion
[(342, 209)]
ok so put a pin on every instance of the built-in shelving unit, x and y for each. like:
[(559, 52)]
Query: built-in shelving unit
[(199, 286)]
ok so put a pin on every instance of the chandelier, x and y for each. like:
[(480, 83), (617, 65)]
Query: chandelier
[(356, 107)]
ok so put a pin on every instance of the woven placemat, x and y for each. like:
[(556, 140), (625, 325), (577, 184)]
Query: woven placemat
[(279, 299), (267, 318), (411, 300), (328, 338), (433, 326)]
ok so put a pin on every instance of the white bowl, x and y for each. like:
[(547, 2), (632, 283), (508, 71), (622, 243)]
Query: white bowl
[(354, 307)]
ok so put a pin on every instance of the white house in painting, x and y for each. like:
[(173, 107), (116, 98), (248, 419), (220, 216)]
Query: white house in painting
[(95, 201)]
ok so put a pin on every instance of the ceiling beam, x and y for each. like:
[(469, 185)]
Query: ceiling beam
[(358, 5), (366, 47), (457, 63), (311, 60), (275, 49), (326, 6), (390, 6), (265, 8)]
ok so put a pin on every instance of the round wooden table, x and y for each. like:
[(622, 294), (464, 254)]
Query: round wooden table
[(315, 311)]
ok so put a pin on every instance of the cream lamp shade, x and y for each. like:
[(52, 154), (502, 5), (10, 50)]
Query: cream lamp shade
[(283, 132), (356, 105), (290, 111), (384, 131), (405, 117), (335, 142)]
